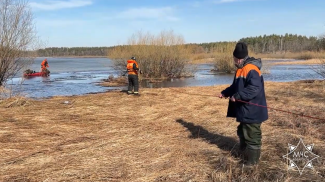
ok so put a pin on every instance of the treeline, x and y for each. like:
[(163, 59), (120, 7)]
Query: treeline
[(273, 43), (73, 51), (283, 43), (259, 44)]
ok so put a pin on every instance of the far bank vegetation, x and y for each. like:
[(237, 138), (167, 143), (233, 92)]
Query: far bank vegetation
[(160, 56), (288, 46), (143, 46)]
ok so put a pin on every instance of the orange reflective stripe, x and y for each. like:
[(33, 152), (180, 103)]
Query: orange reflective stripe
[(250, 67), (243, 72), (239, 72)]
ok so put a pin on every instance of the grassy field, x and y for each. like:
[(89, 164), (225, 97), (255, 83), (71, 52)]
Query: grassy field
[(167, 134)]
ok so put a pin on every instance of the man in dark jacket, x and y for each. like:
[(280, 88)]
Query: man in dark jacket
[(247, 86)]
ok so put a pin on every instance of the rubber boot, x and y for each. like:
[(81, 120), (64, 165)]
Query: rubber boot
[(252, 156), (241, 149), (242, 145), (251, 159)]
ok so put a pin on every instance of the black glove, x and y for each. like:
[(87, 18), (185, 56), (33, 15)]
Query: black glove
[(237, 96)]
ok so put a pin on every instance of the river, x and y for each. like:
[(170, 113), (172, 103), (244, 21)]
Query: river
[(78, 76)]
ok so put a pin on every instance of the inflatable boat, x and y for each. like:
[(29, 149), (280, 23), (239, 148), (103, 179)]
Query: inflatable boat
[(30, 73), (35, 74)]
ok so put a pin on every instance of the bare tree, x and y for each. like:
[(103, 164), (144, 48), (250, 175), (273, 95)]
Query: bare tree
[(18, 39)]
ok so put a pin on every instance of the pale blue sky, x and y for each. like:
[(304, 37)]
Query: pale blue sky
[(71, 23)]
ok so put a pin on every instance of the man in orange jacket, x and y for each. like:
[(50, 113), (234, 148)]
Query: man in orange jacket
[(44, 65), (133, 69)]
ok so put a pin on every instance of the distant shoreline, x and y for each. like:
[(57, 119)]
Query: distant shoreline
[(287, 61), (211, 60), (72, 57)]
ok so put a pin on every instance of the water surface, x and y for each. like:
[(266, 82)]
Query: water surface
[(78, 76)]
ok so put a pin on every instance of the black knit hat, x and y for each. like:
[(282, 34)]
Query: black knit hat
[(240, 51)]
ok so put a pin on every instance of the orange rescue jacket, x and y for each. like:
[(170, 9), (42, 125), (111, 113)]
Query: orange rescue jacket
[(130, 69), (44, 64)]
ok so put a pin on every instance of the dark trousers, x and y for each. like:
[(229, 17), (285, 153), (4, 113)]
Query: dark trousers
[(133, 83), (250, 136)]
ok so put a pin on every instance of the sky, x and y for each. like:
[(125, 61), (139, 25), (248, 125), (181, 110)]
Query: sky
[(92, 23)]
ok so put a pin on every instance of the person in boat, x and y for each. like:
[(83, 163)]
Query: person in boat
[(44, 65)]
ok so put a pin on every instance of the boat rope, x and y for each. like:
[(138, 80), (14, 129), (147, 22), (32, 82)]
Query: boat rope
[(294, 113)]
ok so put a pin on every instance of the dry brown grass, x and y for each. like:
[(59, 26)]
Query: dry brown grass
[(305, 62), (201, 56), (224, 58), (90, 56), (306, 55), (167, 134), (203, 61)]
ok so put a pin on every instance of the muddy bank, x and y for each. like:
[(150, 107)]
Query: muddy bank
[(114, 82), (122, 81)]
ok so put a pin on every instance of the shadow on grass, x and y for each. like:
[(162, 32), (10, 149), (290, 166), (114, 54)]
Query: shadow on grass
[(225, 143), (230, 170), (124, 91)]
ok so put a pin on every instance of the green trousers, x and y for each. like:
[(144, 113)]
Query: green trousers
[(250, 136)]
